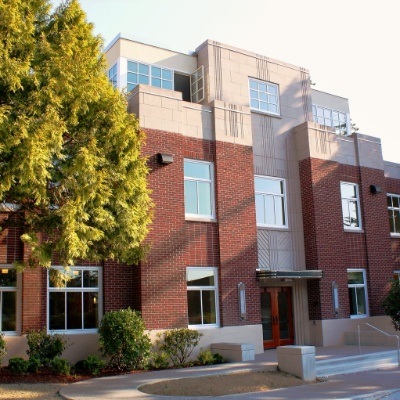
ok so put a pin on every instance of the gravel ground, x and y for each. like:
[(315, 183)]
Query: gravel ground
[(22, 391)]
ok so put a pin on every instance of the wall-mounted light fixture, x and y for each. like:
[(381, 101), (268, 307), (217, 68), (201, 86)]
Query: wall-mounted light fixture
[(164, 158), (242, 301), (335, 297), (375, 189)]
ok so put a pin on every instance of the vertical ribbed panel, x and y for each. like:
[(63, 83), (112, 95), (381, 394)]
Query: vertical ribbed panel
[(262, 68), (305, 95), (233, 121), (218, 71), (300, 311)]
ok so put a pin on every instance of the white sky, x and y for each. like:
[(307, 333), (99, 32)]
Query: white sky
[(350, 47)]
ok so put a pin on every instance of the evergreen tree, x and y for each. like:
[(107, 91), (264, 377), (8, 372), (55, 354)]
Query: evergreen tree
[(70, 161)]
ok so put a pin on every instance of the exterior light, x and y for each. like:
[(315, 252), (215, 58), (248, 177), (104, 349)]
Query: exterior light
[(163, 158)]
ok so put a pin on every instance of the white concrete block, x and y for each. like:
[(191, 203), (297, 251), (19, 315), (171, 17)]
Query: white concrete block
[(234, 352), (298, 360)]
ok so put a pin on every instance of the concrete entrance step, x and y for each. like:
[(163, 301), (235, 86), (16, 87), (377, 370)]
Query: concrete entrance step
[(358, 363)]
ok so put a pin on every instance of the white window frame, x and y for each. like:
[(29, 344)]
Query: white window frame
[(206, 217), (97, 289), (149, 75), (267, 93), (396, 275), (274, 195), (113, 75), (357, 285), (197, 85), (17, 291), (348, 200), (391, 208), (328, 118), (206, 288)]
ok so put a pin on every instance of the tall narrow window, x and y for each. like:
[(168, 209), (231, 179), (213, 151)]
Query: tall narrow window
[(270, 201), (264, 96), (393, 201), (75, 306), (8, 299), (197, 85), (357, 292), (199, 189), (113, 75), (350, 205), (202, 295)]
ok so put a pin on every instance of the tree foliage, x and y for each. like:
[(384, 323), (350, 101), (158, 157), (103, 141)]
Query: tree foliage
[(391, 304), (70, 161)]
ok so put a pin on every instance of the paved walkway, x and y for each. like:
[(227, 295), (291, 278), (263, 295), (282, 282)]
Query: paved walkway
[(373, 385)]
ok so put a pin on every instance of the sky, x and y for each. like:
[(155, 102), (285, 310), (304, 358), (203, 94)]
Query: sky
[(350, 47)]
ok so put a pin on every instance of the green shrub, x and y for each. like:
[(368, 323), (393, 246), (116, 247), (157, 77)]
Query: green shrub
[(3, 350), (44, 347), (391, 304), (92, 365), (123, 339), (60, 366), (159, 360), (218, 359), (178, 344), (34, 364), (205, 357), (18, 364)]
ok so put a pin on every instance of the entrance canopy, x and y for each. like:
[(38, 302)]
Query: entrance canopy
[(305, 274)]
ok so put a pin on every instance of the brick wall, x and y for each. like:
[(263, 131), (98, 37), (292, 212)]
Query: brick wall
[(330, 248), (393, 186)]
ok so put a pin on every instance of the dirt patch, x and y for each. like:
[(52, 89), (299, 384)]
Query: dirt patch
[(220, 385)]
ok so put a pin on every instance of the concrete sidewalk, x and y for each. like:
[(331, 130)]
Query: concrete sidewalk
[(380, 384)]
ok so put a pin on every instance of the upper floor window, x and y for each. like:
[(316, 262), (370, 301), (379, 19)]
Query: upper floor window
[(149, 75), (199, 189), (393, 201), (75, 306), (357, 286), (264, 96), (350, 205), (113, 75), (270, 201), (8, 299), (335, 119), (202, 295)]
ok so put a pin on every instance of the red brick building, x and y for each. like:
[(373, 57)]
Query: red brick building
[(273, 223)]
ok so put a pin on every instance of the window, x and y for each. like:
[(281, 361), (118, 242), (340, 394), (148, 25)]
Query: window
[(332, 118), (197, 85), (199, 189), (76, 305), (8, 299), (356, 283), (264, 96), (270, 201), (149, 75), (350, 205), (202, 296), (396, 275), (393, 201), (112, 75)]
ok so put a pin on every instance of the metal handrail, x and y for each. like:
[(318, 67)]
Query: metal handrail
[(385, 333)]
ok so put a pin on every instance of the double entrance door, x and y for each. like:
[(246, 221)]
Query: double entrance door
[(276, 316)]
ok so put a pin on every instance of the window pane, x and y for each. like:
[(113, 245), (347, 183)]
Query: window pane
[(156, 82), (90, 278), (132, 78), (167, 74), (132, 66), (263, 106), (91, 310), (194, 307), (143, 69), (348, 191), (361, 306), (9, 311), (391, 221), (144, 79), (190, 197), (156, 72), (197, 170), (8, 277), (254, 104), (74, 310), (167, 85), (200, 277), (396, 214), (272, 89), (353, 213), (395, 200), (209, 315), (56, 310), (76, 280), (260, 209), (253, 84), (266, 185), (353, 301), (273, 108), (279, 210), (269, 210), (263, 97), (355, 277), (204, 193)]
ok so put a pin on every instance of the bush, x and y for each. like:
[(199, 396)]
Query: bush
[(60, 366), (34, 364), (18, 364), (3, 350), (123, 339), (44, 347), (391, 304), (159, 360), (92, 365), (178, 344)]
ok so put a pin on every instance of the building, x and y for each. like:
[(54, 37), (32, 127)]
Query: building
[(271, 218)]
